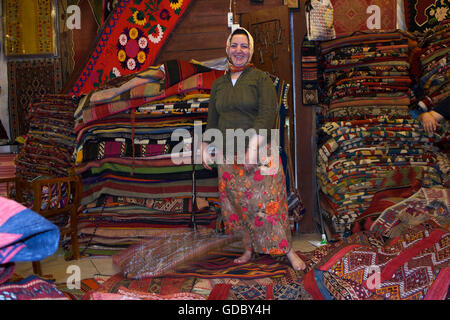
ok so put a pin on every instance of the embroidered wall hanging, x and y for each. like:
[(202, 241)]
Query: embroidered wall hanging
[(362, 15), (28, 27), (130, 40), (422, 15)]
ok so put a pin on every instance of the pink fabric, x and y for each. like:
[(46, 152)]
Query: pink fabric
[(7, 238), (9, 252), (9, 208)]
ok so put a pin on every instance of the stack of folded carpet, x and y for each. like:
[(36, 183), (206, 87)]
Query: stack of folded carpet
[(433, 74), (50, 140), (433, 81), (136, 179), (367, 139)]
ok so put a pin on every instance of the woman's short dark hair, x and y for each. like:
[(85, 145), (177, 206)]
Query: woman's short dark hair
[(239, 31)]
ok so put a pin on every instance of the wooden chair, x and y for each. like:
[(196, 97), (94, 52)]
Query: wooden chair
[(62, 197)]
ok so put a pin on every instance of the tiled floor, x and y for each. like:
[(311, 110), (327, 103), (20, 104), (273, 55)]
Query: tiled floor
[(57, 268)]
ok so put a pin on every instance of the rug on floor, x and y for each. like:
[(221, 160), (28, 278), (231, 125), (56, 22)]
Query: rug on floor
[(86, 286), (160, 286), (220, 265), (30, 288)]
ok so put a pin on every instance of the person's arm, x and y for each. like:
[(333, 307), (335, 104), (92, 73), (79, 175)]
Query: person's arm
[(443, 108)]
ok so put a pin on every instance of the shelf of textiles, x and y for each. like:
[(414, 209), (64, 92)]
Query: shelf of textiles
[(136, 181), (370, 150)]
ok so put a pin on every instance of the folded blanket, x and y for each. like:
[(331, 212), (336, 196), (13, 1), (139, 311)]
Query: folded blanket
[(24, 234)]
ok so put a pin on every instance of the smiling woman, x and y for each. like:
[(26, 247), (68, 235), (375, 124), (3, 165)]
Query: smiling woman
[(253, 202)]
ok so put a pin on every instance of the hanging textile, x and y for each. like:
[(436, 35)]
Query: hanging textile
[(130, 40)]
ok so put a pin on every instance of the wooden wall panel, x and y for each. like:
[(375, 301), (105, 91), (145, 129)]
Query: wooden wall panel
[(201, 34), (304, 130)]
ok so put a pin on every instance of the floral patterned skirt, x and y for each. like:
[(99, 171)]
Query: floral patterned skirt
[(254, 206)]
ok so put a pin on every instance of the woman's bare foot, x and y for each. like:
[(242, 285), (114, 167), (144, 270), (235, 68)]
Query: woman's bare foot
[(244, 258), (296, 262)]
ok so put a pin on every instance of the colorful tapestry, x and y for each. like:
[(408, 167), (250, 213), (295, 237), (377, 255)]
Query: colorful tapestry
[(24, 234), (130, 40), (27, 80), (28, 27), (356, 15), (423, 15), (30, 288)]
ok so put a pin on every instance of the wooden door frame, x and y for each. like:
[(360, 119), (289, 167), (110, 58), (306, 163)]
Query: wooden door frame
[(304, 127)]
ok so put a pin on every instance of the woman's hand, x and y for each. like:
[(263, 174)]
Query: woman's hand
[(207, 158), (251, 155), (430, 121)]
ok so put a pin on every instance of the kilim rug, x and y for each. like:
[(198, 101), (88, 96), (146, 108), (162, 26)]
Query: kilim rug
[(26, 80), (353, 15), (30, 288), (161, 286), (86, 286), (221, 265), (291, 291), (426, 204), (288, 287), (412, 266)]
